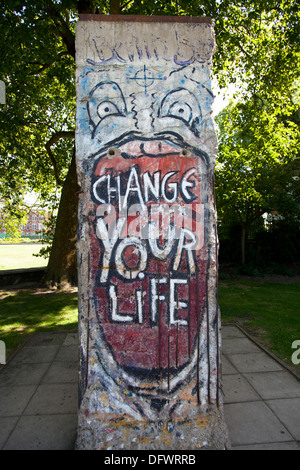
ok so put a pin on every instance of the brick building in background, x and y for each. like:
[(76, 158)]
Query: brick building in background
[(33, 228)]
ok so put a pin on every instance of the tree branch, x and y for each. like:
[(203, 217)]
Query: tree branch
[(62, 27), (55, 138), (43, 67)]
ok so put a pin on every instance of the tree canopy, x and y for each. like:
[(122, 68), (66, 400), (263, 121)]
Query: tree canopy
[(258, 164), (257, 48)]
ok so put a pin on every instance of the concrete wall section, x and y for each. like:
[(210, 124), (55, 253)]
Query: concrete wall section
[(147, 242)]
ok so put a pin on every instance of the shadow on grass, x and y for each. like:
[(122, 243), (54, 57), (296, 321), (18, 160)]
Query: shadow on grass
[(23, 312)]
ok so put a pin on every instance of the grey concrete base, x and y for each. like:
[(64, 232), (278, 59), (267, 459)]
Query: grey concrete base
[(38, 396), (199, 432)]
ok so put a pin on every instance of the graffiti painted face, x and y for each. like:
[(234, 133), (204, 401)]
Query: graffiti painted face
[(149, 227), (148, 247), (148, 105)]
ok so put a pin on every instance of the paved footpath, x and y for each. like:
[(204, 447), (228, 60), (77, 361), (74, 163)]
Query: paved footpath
[(38, 395)]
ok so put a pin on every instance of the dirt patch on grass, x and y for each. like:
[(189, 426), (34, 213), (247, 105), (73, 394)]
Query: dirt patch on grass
[(49, 291), (43, 292), (258, 334)]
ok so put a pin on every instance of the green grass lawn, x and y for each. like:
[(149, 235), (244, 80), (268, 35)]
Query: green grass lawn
[(269, 311), (20, 256), (23, 312)]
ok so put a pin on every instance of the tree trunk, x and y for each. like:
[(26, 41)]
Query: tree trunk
[(62, 266), (243, 243), (115, 7)]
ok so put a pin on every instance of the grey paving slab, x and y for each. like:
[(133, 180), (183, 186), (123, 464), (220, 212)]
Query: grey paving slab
[(229, 331), (254, 362), (35, 354), (288, 411), (71, 340), (237, 389), (254, 423), (55, 432), (293, 445), (20, 373), (67, 353), (238, 345), (45, 339), (274, 384), (7, 424), (62, 372), (227, 367), (14, 399), (53, 399)]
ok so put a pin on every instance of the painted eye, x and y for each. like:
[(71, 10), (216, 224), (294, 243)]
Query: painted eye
[(182, 104), (105, 100), (107, 108), (180, 110)]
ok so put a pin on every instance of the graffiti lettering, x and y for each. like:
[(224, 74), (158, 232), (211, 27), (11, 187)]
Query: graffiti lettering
[(124, 51), (119, 189), (174, 305), (114, 249), (163, 221)]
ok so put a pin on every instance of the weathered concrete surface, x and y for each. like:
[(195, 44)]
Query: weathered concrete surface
[(147, 242)]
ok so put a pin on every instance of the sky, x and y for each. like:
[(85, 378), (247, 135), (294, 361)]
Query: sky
[(222, 97)]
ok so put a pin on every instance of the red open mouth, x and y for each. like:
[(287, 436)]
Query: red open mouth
[(148, 271)]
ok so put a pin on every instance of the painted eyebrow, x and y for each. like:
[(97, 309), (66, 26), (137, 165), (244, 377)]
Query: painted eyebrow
[(95, 99)]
